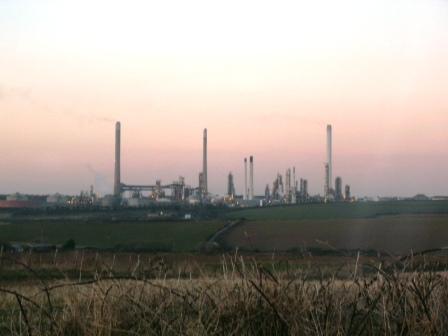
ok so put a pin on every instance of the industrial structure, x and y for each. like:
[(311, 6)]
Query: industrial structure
[(230, 187), (251, 178), (204, 186), (175, 191), (338, 190), (330, 155), (287, 189), (267, 193), (294, 186), (330, 194), (347, 193), (303, 195), (117, 173), (246, 191), (277, 188), (328, 189)]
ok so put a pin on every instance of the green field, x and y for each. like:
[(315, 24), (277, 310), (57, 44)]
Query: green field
[(395, 227), (177, 236), (392, 227), (343, 210)]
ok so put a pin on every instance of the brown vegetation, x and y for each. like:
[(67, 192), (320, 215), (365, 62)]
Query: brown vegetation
[(242, 297)]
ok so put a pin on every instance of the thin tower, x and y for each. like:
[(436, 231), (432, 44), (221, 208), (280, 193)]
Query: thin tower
[(294, 183), (327, 182), (251, 187), (117, 176), (330, 157), (294, 186), (246, 196), (288, 184), (204, 164)]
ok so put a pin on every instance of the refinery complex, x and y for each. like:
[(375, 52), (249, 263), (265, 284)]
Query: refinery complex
[(287, 189), (283, 189)]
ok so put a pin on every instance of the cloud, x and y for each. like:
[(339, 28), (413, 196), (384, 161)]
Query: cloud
[(101, 183)]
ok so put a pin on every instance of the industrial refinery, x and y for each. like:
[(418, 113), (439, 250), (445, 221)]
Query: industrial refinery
[(284, 189), (176, 191)]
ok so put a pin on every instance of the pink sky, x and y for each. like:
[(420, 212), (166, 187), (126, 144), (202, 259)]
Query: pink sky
[(264, 77)]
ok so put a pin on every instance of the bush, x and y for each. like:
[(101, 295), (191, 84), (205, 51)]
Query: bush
[(69, 245)]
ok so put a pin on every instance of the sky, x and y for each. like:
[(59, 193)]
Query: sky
[(265, 78)]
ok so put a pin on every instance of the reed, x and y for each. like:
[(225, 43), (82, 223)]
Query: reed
[(243, 298)]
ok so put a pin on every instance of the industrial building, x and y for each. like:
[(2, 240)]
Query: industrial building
[(278, 189), (347, 196), (230, 186), (248, 197), (338, 190), (177, 191), (288, 190), (18, 201), (285, 189), (303, 195), (333, 194)]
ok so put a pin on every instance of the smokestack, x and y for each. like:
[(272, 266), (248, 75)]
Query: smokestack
[(288, 183), (117, 178), (294, 183), (251, 182), (329, 157), (204, 164), (246, 196), (294, 186)]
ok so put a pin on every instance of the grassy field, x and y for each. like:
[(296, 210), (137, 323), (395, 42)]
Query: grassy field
[(390, 234), (392, 227), (87, 293), (343, 210), (179, 236)]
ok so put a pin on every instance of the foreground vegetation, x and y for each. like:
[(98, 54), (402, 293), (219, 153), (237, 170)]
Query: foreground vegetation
[(243, 297)]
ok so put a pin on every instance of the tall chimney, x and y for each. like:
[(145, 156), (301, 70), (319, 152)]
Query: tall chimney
[(204, 164), (294, 184), (327, 182), (246, 196), (329, 157), (251, 187), (117, 178)]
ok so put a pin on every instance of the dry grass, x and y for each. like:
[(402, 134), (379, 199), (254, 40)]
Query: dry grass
[(243, 298)]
